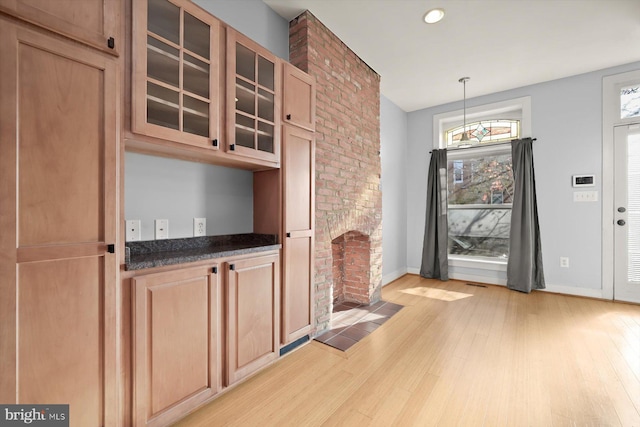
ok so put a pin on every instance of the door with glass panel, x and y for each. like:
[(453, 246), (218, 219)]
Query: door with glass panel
[(176, 72), (627, 213), (253, 99)]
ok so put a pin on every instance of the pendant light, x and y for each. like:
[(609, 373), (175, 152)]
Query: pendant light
[(464, 140)]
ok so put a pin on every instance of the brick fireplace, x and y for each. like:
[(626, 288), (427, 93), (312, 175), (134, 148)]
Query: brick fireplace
[(348, 235)]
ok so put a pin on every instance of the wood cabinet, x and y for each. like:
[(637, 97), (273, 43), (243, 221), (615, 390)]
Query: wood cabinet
[(298, 224), (299, 98), (253, 99), (175, 72), (253, 314), (58, 159), (177, 343), (93, 22)]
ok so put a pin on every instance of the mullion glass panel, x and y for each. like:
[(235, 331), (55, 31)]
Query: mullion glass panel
[(196, 36), (163, 19), (195, 75)]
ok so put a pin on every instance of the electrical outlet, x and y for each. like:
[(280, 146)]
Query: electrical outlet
[(162, 229), (199, 227), (132, 230), (564, 262)]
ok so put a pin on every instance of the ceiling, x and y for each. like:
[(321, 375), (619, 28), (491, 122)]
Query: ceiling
[(499, 44)]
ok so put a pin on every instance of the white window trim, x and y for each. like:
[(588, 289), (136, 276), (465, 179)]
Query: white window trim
[(502, 109), (611, 86), (494, 110)]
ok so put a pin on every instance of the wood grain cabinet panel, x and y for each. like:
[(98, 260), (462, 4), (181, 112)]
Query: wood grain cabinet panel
[(299, 98), (177, 334), (93, 22), (298, 223), (58, 157), (253, 310)]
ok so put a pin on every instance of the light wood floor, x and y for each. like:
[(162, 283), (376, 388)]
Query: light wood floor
[(457, 355)]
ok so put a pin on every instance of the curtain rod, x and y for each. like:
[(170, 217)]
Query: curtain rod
[(488, 145)]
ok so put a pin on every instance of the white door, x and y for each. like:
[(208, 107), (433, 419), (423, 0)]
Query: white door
[(627, 213)]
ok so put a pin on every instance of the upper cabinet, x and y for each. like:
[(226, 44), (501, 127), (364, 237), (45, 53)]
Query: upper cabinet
[(253, 99), (299, 107), (176, 72), (92, 22)]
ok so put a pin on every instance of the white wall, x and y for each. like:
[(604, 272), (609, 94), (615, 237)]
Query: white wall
[(393, 137), (567, 121)]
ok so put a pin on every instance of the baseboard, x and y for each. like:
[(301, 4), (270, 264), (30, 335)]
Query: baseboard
[(388, 278), (556, 289)]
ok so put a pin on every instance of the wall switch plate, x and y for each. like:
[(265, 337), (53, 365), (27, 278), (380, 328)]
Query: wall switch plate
[(585, 196), (199, 227), (133, 233), (564, 262), (162, 229)]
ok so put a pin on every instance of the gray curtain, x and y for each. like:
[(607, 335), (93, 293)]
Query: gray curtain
[(436, 231), (524, 268)]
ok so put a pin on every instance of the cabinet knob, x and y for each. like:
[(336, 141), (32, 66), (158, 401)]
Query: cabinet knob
[(111, 43), (288, 234), (232, 147), (111, 248), (288, 116), (214, 270), (214, 142), (232, 266)]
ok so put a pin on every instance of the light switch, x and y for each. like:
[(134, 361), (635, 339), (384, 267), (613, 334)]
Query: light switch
[(585, 196)]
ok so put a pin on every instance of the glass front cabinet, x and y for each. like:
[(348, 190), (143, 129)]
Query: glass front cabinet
[(176, 76), (253, 99)]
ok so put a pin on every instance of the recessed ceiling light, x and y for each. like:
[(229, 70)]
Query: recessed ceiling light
[(433, 16)]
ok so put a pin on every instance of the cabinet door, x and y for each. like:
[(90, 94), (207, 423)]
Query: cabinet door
[(92, 22), (299, 98), (177, 321), (175, 72), (58, 156), (253, 99), (299, 213), (253, 304)]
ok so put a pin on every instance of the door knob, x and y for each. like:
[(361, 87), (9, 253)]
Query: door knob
[(621, 222)]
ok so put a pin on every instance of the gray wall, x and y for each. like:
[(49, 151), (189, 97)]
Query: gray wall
[(177, 190), (160, 188), (254, 19), (393, 137), (567, 121)]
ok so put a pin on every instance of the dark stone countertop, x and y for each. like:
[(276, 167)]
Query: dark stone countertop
[(159, 253)]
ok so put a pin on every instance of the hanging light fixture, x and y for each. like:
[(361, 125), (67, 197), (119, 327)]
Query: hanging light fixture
[(464, 140)]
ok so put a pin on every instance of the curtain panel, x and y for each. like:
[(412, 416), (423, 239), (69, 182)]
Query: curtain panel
[(436, 231), (524, 267)]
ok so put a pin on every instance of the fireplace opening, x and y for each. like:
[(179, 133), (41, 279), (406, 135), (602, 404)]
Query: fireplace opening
[(351, 253)]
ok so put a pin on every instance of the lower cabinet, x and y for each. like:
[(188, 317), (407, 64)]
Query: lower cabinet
[(177, 336), (253, 314)]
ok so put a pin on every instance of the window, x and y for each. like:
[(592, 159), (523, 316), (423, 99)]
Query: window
[(479, 207), (485, 131), (630, 102), (458, 171), (480, 180)]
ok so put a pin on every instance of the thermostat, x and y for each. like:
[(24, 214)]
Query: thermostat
[(584, 180)]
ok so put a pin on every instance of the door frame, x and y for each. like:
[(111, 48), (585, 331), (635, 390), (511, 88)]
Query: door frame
[(610, 119)]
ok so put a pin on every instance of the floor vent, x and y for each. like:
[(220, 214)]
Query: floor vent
[(477, 285), (287, 348)]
